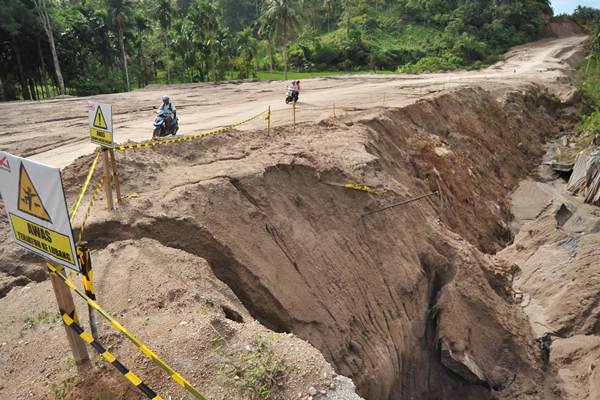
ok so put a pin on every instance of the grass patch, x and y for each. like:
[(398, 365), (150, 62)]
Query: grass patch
[(280, 75), (589, 86), (259, 372), (60, 391)]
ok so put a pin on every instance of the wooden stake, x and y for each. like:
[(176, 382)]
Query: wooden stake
[(269, 122), (115, 172), (65, 303), (294, 107), (107, 184)]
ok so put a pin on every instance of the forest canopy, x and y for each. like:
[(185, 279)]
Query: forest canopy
[(84, 47)]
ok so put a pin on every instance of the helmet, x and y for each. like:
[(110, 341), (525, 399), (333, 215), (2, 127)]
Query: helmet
[(165, 97)]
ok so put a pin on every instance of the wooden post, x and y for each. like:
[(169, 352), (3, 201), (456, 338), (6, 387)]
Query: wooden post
[(66, 305), (85, 263), (107, 184), (115, 172), (269, 122), (294, 107)]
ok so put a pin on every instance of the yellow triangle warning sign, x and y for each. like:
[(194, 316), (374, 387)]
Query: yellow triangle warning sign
[(99, 121), (29, 199)]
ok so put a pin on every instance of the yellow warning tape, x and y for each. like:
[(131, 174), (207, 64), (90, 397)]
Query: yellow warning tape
[(363, 188), (88, 178), (188, 138), (109, 357), (353, 186), (144, 349), (89, 208)]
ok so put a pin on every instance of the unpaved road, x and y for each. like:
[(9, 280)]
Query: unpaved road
[(54, 131)]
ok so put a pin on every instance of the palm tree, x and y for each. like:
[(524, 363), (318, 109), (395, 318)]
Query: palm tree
[(266, 31), (283, 15), (118, 9), (164, 14), (142, 26), (42, 12)]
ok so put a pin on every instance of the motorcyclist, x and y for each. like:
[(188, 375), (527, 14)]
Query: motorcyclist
[(294, 91), (168, 109)]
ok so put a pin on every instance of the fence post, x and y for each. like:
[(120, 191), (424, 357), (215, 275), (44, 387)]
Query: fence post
[(64, 299), (269, 121), (85, 262), (107, 180), (115, 172)]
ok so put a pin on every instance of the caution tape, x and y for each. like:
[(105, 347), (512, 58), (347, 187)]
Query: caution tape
[(363, 188), (109, 357), (85, 262), (89, 208), (187, 138), (144, 349), (353, 186), (88, 178)]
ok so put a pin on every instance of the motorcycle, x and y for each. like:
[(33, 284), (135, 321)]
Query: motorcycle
[(164, 124), (292, 96)]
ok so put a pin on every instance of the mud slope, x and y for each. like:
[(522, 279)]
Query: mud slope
[(558, 252), (399, 301)]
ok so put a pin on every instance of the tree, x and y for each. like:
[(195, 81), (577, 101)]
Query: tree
[(118, 8), (142, 27), (266, 31), (246, 46), (164, 14), (42, 11), (283, 15)]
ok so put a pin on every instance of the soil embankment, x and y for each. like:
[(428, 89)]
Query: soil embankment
[(409, 302)]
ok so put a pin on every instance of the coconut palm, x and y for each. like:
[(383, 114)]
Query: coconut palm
[(118, 8), (284, 17)]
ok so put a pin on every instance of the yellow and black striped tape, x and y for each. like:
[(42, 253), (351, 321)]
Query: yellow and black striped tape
[(84, 188), (144, 349), (85, 263), (187, 138), (111, 359), (89, 207)]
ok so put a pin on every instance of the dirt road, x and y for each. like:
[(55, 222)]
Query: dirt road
[(55, 131)]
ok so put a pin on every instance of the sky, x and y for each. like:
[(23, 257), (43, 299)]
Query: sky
[(567, 6)]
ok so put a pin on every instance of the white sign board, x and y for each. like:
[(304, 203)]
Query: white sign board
[(36, 208), (100, 122)]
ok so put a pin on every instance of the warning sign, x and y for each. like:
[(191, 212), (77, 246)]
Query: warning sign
[(4, 164), (29, 199), (35, 204), (100, 122)]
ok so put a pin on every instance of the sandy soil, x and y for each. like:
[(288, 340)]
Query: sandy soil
[(55, 131)]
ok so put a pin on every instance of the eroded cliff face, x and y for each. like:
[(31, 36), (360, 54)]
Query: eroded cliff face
[(406, 302)]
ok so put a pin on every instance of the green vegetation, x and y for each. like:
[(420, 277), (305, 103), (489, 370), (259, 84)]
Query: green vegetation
[(258, 372), (86, 47), (589, 71), (60, 392), (42, 317)]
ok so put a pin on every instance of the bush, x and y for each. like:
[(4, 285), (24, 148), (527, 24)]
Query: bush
[(428, 64)]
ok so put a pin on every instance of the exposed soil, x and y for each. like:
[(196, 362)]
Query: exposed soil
[(409, 303)]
